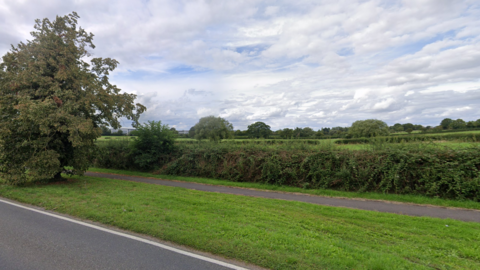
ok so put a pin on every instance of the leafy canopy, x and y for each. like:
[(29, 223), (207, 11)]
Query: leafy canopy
[(213, 128), (286, 133), (53, 103), (398, 127), (446, 122), (259, 130), (368, 128), (457, 124)]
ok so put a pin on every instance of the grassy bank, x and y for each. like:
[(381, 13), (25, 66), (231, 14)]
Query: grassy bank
[(270, 233), (404, 198)]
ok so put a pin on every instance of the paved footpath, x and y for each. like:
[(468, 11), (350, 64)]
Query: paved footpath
[(372, 205)]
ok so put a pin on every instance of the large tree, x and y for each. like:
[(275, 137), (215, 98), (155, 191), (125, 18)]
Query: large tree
[(53, 103), (408, 126), (259, 130), (368, 128), (446, 122), (398, 127), (458, 124), (285, 133), (307, 132), (471, 124), (213, 128)]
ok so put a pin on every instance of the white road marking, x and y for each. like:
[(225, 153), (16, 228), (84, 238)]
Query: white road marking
[(186, 253)]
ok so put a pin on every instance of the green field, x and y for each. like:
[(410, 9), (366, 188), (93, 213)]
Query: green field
[(329, 144), (271, 233), (106, 138), (321, 143), (405, 133), (445, 132), (449, 133), (438, 144)]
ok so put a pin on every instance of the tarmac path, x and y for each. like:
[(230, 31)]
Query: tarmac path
[(363, 204)]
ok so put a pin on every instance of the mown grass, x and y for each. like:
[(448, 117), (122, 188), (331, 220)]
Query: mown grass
[(271, 233), (416, 199)]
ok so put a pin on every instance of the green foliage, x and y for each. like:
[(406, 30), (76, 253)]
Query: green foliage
[(383, 167), (471, 124), (105, 131), (152, 141), (286, 133), (368, 128), (352, 141), (457, 124), (132, 133), (446, 123), (53, 103), (454, 136), (115, 154), (338, 132), (191, 132), (408, 126), (259, 130), (240, 134), (305, 132), (398, 127), (445, 174), (213, 128)]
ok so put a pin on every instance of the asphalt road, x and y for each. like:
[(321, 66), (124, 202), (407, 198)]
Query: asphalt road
[(372, 205), (32, 240)]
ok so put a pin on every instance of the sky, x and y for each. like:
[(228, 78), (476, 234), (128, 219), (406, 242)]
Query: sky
[(287, 63)]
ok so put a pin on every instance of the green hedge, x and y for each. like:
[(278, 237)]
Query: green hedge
[(465, 137), (261, 141), (437, 172)]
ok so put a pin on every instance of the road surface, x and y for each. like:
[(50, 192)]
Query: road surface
[(34, 240)]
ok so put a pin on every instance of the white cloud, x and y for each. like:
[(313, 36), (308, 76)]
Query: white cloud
[(271, 10), (202, 112), (303, 63), (384, 104)]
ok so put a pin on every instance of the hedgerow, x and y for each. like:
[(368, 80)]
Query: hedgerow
[(465, 137), (443, 173)]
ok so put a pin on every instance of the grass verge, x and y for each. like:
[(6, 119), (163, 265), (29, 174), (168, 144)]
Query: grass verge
[(417, 199), (270, 233)]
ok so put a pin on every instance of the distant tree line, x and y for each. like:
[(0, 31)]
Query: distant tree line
[(216, 128)]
